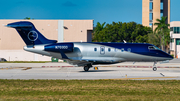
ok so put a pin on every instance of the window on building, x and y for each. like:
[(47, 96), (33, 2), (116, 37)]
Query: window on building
[(150, 5), (171, 28), (161, 5), (177, 41), (161, 14), (175, 30), (172, 40), (150, 16), (150, 24), (95, 49)]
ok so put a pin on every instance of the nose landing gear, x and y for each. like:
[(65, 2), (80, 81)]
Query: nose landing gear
[(154, 66)]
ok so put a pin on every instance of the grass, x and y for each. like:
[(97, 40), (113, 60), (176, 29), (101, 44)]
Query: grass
[(149, 90)]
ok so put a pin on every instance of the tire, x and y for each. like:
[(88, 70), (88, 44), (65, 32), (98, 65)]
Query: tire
[(86, 68), (154, 68)]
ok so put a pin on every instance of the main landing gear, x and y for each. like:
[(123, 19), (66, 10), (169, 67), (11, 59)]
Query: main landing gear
[(86, 68), (154, 66)]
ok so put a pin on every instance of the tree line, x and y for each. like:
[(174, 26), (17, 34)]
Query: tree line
[(133, 33)]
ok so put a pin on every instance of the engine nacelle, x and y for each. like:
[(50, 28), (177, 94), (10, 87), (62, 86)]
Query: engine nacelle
[(63, 47)]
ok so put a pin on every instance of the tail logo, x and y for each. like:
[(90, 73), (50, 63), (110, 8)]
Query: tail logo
[(32, 35)]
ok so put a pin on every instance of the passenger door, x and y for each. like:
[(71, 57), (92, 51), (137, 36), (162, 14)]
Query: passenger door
[(102, 50)]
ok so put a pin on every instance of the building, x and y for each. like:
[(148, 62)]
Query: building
[(175, 38), (11, 44), (154, 9)]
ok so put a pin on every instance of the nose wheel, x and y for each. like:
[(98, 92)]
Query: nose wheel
[(154, 66)]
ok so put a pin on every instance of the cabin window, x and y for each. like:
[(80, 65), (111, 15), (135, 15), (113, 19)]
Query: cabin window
[(102, 49), (122, 50), (109, 49), (115, 50), (95, 49), (129, 49)]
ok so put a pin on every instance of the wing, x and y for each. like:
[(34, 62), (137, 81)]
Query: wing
[(78, 62)]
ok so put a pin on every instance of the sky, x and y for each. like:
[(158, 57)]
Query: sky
[(97, 10)]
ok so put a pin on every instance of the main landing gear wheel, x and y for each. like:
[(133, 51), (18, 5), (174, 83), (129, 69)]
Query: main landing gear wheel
[(154, 68), (86, 68)]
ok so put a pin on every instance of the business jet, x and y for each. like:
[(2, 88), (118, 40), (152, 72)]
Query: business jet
[(87, 54)]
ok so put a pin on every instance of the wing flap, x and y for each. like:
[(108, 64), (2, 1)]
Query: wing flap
[(78, 62)]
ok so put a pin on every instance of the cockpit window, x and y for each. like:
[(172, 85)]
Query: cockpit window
[(157, 48), (153, 48)]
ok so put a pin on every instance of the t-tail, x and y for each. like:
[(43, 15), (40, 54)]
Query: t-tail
[(30, 34)]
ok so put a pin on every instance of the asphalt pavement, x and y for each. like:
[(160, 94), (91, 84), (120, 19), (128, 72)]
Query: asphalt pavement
[(122, 71)]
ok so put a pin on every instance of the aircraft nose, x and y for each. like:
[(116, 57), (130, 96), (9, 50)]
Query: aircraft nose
[(170, 57)]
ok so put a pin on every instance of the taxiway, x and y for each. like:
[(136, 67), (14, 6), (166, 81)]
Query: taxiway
[(123, 71)]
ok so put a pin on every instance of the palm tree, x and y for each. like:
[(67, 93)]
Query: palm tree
[(162, 29), (27, 18), (99, 27)]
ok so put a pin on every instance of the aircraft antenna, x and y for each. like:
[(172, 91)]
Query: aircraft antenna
[(124, 41)]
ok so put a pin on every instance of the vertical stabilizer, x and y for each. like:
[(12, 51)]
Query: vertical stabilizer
[(29, 33)]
